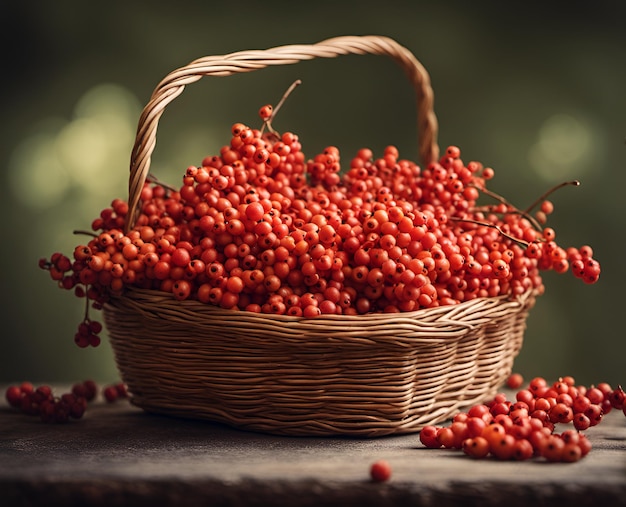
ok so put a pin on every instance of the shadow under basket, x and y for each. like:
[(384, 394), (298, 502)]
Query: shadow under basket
[(367, 375)]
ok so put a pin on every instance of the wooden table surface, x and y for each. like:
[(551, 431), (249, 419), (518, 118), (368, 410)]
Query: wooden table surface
[(119, 455)]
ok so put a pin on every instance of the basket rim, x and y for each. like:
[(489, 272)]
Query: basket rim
[(461, 309), (406, 329)]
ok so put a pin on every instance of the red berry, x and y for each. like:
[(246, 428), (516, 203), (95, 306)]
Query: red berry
[(581, 422), (266, 112), (571, 452), (14, 396), (617, 397), (514, 381), (380, 471), (522, 450), (503, 447), (91, 389), (428, 437), (476, 447), (552, 448), (110, 393)]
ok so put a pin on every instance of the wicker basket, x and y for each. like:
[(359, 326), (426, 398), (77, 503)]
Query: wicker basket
[(367, 375)]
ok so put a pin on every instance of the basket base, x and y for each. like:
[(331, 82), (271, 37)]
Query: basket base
[(286, 377)]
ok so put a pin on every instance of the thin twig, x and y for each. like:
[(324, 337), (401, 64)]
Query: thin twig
[(492, 226), (293, 86), (268, 122), (513, 209), (545, 195), (153, 179), (490, 193), (87, 233)]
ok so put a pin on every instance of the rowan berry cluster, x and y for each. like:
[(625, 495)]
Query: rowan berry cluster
[(42, 402), (527, 427), (261, 228)]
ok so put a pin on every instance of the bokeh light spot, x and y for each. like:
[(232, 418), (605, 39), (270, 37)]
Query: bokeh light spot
[(89, 153), (563, 148), (82, 149), (36, 177)]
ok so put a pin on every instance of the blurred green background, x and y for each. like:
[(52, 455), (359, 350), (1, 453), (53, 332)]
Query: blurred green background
[(537, 90)]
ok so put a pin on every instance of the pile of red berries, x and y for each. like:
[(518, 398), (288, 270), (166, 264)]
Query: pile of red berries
[(261, 228), (42, 402), (527, 427)]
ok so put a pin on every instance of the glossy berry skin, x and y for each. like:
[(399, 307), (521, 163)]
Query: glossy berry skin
[(476, 447), (428, 437), (265, 112)]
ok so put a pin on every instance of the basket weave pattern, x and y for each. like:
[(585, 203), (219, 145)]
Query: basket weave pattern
[(366, 375)]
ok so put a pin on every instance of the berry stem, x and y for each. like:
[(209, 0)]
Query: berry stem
[(154, 179), (291, 88), (87, 305), (526, 213), (492, 194), (545, 195), (493, 226), (87, 233), (268, 122)]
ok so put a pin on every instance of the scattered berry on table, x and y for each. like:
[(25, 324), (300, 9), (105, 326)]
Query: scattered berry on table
[(42, 402), (380, 471)]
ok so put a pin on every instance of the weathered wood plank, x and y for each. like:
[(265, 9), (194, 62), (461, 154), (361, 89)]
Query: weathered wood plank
[(119, 455)]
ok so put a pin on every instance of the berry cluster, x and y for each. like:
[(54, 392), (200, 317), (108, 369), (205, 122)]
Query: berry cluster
[(42, 402), (526, 428), (261, 228), (115, 392)]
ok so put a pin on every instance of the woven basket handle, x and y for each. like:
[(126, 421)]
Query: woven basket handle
[(246, 61)]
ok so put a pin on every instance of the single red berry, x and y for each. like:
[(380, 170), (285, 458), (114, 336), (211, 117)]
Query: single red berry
[(476, 447), (502, 448), (581, 422), (514, 381), (27, 387), (428, 437), (122, 390), (617, 397), (47, 411), (265, 112), (584, 444), (79, 390), (552, 448), (110, 393), (446, 437), (14, 396), (91, 389), (78, 407), (571, 452), (380, 471), (522, 449)]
